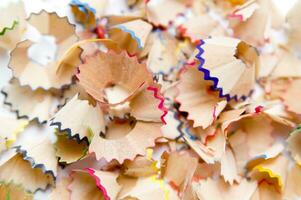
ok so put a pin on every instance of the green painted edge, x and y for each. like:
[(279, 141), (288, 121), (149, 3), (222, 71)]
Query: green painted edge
[(15, 23)]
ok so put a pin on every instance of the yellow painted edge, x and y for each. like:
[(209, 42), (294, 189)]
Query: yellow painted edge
[(270, 173), (15, 133), (161, 185)]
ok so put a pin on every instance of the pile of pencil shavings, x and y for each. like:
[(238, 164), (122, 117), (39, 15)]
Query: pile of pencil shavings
[(152, 99)]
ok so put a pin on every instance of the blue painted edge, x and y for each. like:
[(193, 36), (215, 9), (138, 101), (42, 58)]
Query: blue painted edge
[(82, 6), (133, 35), (214, 79)]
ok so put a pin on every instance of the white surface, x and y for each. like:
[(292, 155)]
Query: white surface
[(44, 51), (284, 5)]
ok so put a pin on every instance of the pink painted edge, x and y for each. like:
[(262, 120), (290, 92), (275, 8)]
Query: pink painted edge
[(98, 183), (258, 109), (183, 31), (234, 15), (161, 105)]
